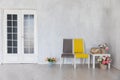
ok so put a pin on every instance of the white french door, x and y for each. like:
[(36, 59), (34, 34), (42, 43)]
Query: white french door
[(20, 36)]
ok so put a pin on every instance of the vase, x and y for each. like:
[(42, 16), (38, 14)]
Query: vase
[(102, 66), (51, 64)]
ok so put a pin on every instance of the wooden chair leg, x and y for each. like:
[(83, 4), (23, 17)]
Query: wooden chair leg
[(74, 63), (83, 60), (60, 62)]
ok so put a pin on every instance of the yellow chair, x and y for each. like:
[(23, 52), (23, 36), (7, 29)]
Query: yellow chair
[(79, 51)]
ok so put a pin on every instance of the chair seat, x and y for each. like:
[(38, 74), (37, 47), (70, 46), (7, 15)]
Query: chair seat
[(81, 55), (67, 55)]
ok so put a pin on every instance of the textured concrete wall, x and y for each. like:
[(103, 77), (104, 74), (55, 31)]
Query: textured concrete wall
[(113, 33), (58, 19)]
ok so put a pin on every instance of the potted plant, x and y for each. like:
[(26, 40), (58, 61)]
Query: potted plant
[(104, 61), (51, 60)]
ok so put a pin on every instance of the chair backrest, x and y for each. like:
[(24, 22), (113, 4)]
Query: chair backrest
[(78, 45), (67, 46)]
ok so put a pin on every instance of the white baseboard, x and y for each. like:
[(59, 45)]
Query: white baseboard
[(116, 67)]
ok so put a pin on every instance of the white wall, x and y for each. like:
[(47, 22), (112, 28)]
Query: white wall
[(58, 19), (113, 33)]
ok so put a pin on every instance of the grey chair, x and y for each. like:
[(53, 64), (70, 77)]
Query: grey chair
[(67, 50)]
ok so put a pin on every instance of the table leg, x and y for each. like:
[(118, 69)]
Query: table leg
[(93, 62), (88, 61), (109, 66)]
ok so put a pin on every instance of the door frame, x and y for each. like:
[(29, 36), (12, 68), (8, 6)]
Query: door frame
[(5, 33)]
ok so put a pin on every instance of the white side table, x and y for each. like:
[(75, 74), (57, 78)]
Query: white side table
[(95, 55)]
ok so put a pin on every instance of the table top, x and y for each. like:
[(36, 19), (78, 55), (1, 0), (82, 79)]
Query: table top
[(99, 54)]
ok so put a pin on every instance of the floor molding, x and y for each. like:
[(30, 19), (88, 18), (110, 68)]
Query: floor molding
[(115, 67)]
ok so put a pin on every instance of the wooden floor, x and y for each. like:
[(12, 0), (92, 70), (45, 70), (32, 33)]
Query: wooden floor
[(46, 72)]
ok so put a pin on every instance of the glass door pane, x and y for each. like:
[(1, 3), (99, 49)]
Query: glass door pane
[(12, 33), (28, 34)]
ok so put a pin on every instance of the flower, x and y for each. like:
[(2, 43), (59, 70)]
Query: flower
[(50, 59), (104, 60), (106, 48)]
